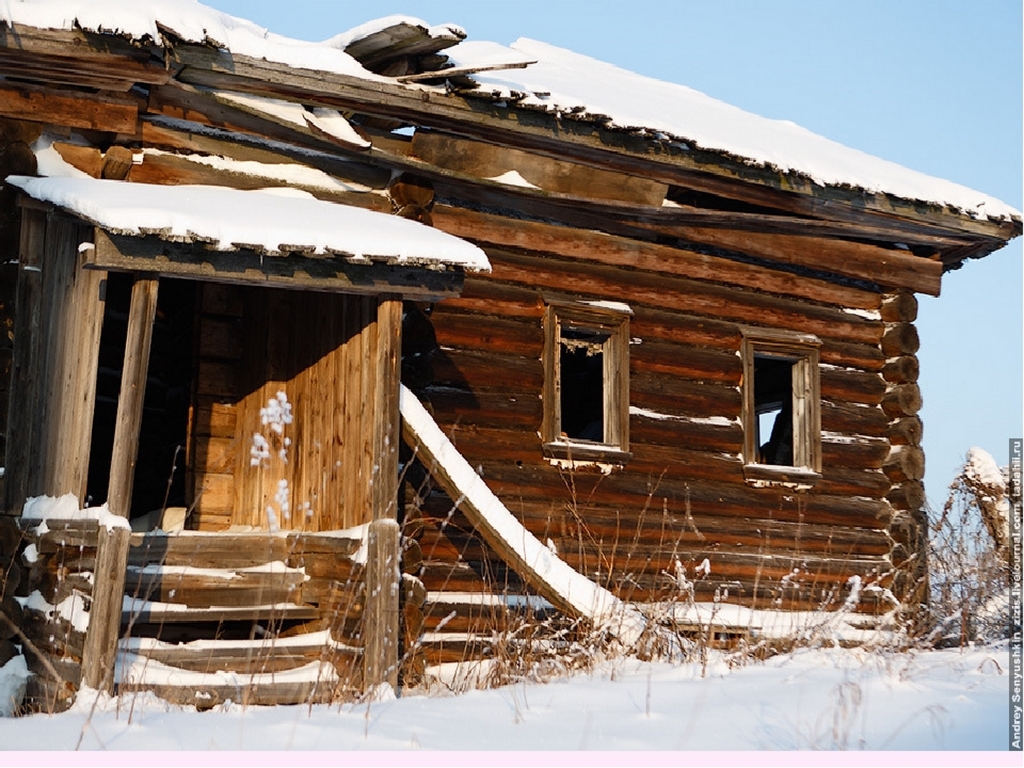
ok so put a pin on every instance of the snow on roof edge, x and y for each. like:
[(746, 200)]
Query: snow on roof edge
[(278, 220)]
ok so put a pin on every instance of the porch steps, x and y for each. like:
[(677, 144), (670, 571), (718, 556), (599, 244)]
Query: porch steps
[(212, 617)]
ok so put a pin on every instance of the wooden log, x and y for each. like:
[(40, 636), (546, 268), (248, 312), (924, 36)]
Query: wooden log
[(100, 651), (900, 339), (901, 370), (99, 113), (412, 556), (853, 419), (580, 244), (88, 160), (380, 621), (682, 294), (906, 431), (841, 385), (117, 163), (902, 400), (899, 307), (142, 312), (908, 495), (905, 462), (250, 148), (409, 189)]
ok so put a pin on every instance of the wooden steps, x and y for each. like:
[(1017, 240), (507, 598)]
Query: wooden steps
[(246, 616)]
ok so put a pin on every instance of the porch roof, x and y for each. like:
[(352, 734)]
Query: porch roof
[(270, 222)]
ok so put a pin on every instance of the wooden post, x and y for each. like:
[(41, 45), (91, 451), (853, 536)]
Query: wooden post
[(380, 635), (100, 652), (383, 576), (133, 390)]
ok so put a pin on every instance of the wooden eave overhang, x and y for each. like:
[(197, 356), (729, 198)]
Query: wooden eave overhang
[(773, 201), (159, 255)]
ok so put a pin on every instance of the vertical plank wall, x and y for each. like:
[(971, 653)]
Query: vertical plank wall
[(316, 348)]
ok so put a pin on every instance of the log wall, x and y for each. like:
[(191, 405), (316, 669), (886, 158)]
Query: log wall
[(682, 497)]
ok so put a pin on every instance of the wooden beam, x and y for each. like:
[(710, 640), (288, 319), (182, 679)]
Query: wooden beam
[(380, 618), (42, 105), (889, 267), (169, 169), (100, 652), (78, 57), (156, 257), (380, 628), (487, 161), (141, 314), (189, 136), (613, 250), (384, 480)]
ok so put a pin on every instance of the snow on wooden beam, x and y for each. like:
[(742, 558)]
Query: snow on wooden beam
[(154, 256), (542, 569)]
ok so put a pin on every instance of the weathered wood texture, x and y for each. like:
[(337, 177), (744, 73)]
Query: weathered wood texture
[(319, 352), (682, 496), (212, 588), (100, 653), (55, 361), (129, 403)]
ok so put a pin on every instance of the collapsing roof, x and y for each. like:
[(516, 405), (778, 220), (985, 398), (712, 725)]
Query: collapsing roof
[(531, 75)]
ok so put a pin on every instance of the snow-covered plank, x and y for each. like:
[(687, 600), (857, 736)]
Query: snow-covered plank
[(554, 579)]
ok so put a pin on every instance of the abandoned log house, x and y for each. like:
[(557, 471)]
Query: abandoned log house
[(327, 363)]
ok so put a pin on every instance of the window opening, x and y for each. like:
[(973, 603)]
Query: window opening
[(586, 385), (773, 404), (581, 365), (781, 404)]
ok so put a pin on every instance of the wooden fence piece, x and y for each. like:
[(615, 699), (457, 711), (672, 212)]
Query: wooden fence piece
[(380, 627), (100, 650)]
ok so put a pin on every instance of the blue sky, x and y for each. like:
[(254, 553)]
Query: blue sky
[(934, 85)]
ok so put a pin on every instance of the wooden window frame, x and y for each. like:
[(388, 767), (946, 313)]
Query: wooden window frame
[(614, 324), (803, 351)]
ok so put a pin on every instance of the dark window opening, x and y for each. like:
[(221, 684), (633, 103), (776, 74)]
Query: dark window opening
[(581, 363), (773, 406)]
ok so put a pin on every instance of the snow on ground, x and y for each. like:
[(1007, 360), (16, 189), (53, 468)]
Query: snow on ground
[(827, 699)]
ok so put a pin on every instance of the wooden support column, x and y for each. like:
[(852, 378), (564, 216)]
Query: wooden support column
[(133, 390), (100, 651), (383, 576)]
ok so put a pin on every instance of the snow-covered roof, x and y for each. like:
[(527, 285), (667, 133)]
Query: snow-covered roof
[(276, 220), (559, 81), (189, 21), (566, 82)]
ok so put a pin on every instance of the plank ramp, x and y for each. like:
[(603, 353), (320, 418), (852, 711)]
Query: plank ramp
[(541, 568)]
